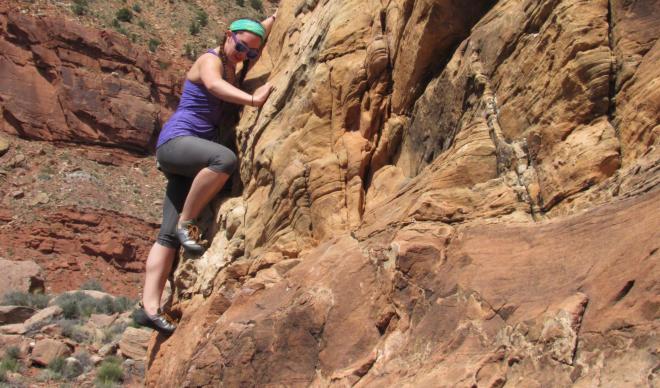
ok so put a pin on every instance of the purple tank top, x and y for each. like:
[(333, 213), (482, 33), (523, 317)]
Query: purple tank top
[(198, 114)]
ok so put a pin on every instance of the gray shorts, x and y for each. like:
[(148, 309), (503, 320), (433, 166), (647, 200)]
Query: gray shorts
[(180, 159)]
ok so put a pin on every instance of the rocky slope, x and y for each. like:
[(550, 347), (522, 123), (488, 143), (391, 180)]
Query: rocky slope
[(437, 194), (81, 196)]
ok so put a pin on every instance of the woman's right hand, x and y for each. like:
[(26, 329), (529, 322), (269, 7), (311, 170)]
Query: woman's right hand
[(261, 94)]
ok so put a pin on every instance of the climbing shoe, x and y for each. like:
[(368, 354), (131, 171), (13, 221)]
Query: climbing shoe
[(160, 322), (190, 238)]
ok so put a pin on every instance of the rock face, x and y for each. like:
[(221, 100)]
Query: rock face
[(20, 276), (437, 194), (69, 242), (65, 82)]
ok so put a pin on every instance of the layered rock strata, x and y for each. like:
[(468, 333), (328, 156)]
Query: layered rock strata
[(65, 82), (437, 194)]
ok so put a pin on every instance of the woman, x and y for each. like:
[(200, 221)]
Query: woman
[(195, 166)]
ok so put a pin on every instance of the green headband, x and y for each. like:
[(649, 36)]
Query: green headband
[(248, 25)]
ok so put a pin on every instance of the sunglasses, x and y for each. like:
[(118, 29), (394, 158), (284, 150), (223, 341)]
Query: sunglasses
[(243, 48)]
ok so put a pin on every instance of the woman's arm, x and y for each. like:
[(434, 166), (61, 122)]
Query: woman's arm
[(210, 70), (268, 23)]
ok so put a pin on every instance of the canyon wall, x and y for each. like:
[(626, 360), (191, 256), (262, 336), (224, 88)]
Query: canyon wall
[(437, 194), (69, 83)]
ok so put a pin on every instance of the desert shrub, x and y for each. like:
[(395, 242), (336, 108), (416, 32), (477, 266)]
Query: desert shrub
[(57, 365), (85, 360), (71, 329), (194, 27), (48, 375), (202, 17), (92, 284), (12, 352), (142, 24), (137, 8), (257, 4), (79, 304), (189, 51), (153, 44), (110, 371), (80, 7), (109, 333), (17, 298), (9, 364), (124, 15), (241, 3)]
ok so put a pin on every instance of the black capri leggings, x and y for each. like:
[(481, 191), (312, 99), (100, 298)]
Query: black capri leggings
[(180, 159)]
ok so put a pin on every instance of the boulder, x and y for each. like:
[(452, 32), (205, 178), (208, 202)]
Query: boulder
[(20, 276), (42, 317), (47, 350), (134, 342), (102, 320), (15, 314)]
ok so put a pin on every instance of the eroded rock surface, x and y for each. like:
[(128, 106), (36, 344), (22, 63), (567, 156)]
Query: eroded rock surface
[(65, 82), (437, 194)]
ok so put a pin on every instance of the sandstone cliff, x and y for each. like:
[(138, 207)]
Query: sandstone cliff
[(439, 193), (62, 81)]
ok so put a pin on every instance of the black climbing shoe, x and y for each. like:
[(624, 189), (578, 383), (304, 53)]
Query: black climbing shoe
[(161, 322), (190, 238)]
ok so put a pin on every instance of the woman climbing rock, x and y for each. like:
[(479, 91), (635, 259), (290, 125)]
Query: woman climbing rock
[(195, 166)]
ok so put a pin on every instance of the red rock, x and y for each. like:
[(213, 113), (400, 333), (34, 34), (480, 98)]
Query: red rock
[(15, 314), (66, 91)]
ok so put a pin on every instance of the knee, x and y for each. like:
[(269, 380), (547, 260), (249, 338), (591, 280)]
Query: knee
[(226, 162)]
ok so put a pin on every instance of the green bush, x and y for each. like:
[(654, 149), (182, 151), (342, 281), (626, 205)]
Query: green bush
[(190, 51), (85, 360), (12, 352), (72, 329), (142, 24), (92, 284), (48, 375), (124, 15), (37, 301), (137, 8), (9, 364), (57, 365), (110, 371), (241, 3), (202, 17), (79, 304), (80, 7), (257, 4), (109, 333), (194, 27), (153, 44)]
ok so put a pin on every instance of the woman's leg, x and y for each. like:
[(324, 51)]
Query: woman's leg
[(205, 186), (159, 265), (210, 164)]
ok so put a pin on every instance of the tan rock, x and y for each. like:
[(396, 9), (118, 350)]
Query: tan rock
[(20, 276), (102, 320), (134, 342), (47, 350), (42, 317), (4, 146)]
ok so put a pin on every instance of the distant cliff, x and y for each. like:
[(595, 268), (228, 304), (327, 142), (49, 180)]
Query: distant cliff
[(62, 81)]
